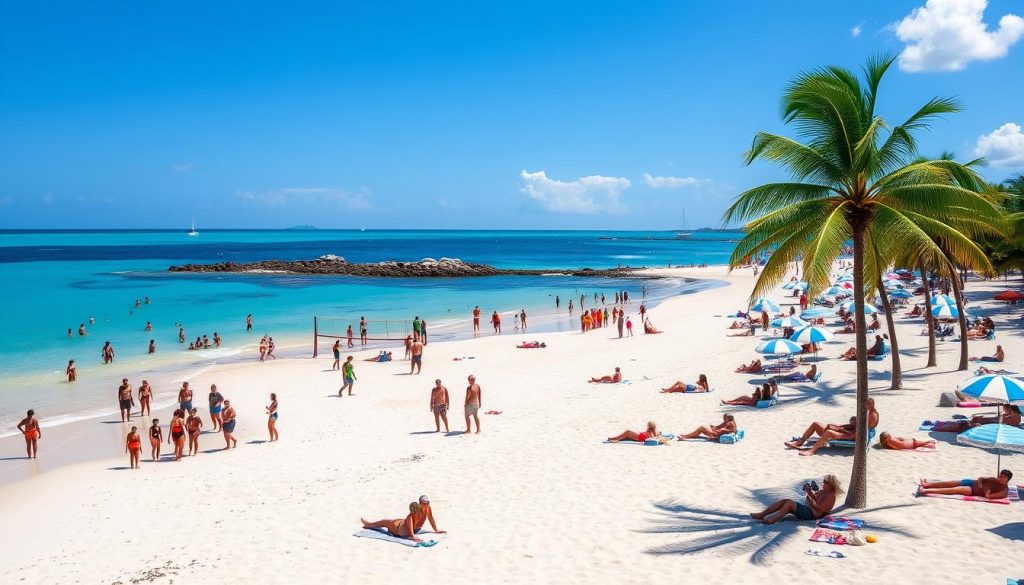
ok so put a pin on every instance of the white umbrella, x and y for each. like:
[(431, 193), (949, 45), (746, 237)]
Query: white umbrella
[(945, 312)]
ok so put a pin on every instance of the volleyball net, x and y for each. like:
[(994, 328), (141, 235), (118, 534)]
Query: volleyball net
[(379, 333)]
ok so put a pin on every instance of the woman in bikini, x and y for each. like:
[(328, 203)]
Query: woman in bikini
[(762, 393), (193, 424), (680, 386), (650, 433), (177, 434), (613, 379), (71, 371), (156, 437), (228, 425), (400, 528), (145, 395), (272, 417), (899, 443), (29, 427), (132, 446)]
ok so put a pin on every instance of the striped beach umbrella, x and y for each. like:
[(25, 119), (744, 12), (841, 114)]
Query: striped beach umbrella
[(994, 387), (942, 300), (945, 312), (791, 321), (811, 334), (778, 347), (900, 294), (834, 290), (994, 436), (817, 313), (763, 305), (869, 309)]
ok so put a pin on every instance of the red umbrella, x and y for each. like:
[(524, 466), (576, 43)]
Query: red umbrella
[(1009, 295)]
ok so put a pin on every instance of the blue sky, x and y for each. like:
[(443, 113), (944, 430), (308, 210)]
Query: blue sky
[(595, 114)]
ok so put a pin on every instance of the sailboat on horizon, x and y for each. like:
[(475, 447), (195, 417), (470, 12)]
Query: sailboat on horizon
[(193, 232)]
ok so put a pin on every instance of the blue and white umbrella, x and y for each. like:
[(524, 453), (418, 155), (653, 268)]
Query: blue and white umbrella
[(900, 294), (817, 313), (845, 278), (834, 290), (764, 305), (994, 388), (942, 300), (789, 285), (869, 309), (778, 347), (811, 334), (994, 436), (790, 321), (945, 312)]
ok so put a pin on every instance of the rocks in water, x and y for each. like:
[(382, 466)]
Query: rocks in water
[(425, 268)]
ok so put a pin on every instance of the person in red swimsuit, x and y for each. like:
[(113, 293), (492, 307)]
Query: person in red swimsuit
[(627, 435), (29, 427), (133, 445)]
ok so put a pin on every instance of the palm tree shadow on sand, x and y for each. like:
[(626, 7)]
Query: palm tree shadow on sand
[(736, 533)]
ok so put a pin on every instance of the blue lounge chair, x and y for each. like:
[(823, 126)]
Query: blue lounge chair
[(732, 438), (850, 444)]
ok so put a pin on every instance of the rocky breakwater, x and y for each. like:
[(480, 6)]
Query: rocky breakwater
[(425, 268)]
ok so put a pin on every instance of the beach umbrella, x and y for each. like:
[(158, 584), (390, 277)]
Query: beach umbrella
[(894, 284), (834, 290), (900, 294), (764, 305), (994, 436), (942, 300), (845, 278), (817, 313), (789, 285), (778, 347), (869, 309), (945, 312), (811, 334), (791, 321), (994, 387), (1009, 295)]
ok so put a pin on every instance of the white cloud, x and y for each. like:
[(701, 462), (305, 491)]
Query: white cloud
[(593, 194), (945, 35), (673, 182), (1004, 147), (318, 196), (183, 167), (855, 31)]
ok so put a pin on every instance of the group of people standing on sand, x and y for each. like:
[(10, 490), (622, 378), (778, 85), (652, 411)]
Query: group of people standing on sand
[(440, 402), (266, 348)]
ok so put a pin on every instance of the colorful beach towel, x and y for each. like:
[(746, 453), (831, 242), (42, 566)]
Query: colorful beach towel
[(429, 538), (828, 536), (840, 523)]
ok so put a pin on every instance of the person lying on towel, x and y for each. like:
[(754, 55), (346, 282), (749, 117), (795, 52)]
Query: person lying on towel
[(680, 386), (819, 503), (993, 488), (613, 379), (899, 443), (627, 435), (713, 432)]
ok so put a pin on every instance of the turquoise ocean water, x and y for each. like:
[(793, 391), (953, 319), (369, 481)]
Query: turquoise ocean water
[(56, 280)]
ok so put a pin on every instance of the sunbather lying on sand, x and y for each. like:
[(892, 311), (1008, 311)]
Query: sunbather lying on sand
[(727, 426), (384, 356), (1009, 414), (751, 368), (800, 376), (819, 503), (649, 327), (875, 349), (830, 432), (899, 443), (680, 386), (1000, 372), (764, 392), (617, 377), (917, 312), (650, 433), (999, 356), (747, 333), (531, 345), (401, 528), (993, 488)]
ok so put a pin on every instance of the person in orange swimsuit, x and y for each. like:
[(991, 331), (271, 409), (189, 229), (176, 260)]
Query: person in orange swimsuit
[(193, 424), (177, 434), (613, 379), (132, 446), (899, 443), (29, 427), (145, 396), (650, 433), (156, 438)]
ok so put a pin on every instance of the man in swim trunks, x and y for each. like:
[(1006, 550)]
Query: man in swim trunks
[(522, 318), (348, 372), (439, 405), (248, 323), (185, 398), (125, 400), (474, 399), (416, 328), (416, 349), (992, 488), (362, 331), (476, 319), (830, 432), (819, 503), (216, 401), (29, 427)]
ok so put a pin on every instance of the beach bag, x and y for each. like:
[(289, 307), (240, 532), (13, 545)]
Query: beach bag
[(855, 538), (948, 399)]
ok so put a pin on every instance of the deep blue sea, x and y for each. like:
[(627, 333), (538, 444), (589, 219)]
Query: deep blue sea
[(56, 280)]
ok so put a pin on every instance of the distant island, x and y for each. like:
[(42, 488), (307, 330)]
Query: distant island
[(302, 227), (425, 268)]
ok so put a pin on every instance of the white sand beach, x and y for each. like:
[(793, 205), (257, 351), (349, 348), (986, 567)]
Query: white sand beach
[(536, 497)]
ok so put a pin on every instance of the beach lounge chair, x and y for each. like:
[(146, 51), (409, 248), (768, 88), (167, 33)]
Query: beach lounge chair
[(768, 403), (732, 438), (850, 444)]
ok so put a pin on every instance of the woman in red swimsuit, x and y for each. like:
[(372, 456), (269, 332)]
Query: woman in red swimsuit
[(177, 434), (650, 433), (133, 444)]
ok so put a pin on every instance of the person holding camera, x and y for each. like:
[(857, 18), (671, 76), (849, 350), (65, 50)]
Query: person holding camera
[(819, 503)]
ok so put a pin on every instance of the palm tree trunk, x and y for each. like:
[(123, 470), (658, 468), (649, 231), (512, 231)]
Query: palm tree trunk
[(932, 362), (857, 496), (958, 294), (897, 371)]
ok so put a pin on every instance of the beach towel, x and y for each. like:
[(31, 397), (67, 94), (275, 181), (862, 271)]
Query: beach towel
[(465, 357), (828, 536), (1013, 495), (727, 439), (840, 523), (429, 538)]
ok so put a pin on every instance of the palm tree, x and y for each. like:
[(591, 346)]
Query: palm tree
[(932, 361), (881, 265), (852, 179)]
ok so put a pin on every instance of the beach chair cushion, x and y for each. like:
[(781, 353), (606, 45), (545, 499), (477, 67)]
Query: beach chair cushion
[(767, 403), (732, 438), (850, 444)]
